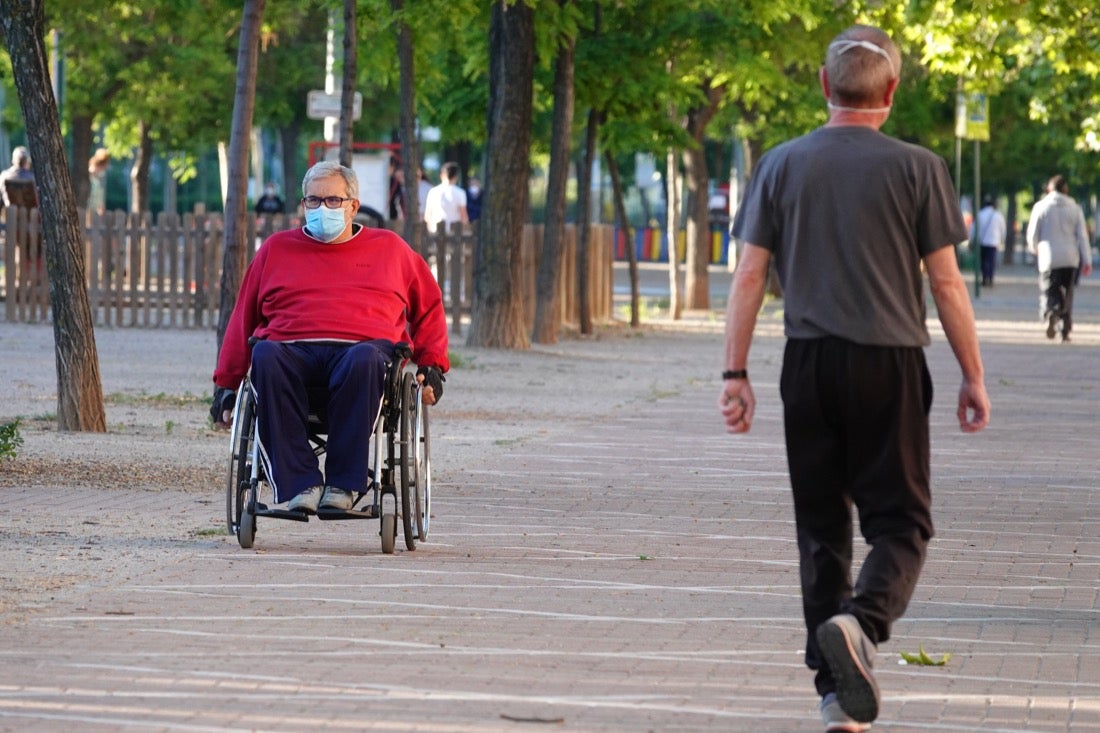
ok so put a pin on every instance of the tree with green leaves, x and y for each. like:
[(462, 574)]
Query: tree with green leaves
[(547, 303), (125, 63), (233, 255), (498, 317), (79, 389)]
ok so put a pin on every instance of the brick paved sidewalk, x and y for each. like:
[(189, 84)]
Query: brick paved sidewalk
[(632, 572)]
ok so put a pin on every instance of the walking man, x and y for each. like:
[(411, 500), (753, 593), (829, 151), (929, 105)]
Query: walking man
[(1057, 236), (989, 226), (850, 215), (446, 203)]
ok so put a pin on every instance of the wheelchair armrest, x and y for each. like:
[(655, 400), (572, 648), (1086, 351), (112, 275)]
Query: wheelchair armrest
[(402, 350)]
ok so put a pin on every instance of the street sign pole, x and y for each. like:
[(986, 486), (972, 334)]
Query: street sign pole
[(972, 123)]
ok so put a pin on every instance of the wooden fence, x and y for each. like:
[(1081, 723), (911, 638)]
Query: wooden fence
[(165, 271)]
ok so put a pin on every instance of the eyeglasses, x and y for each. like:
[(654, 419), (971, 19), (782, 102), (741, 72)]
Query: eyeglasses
[(331, 202)]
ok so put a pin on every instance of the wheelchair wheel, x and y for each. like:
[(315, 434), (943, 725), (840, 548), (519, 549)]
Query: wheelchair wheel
[(389, 533), (421, 479), (407, 452), (246, 532), (238, 510)]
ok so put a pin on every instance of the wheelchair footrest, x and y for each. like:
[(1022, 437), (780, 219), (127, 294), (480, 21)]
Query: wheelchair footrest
[(366, 512), (263, 511)]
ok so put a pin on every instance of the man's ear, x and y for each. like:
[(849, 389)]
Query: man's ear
[(823, 76), (890, 89)]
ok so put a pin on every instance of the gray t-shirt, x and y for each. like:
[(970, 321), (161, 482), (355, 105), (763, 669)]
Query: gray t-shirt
[(848, 213)]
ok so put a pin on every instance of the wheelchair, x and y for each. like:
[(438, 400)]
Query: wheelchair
[(398, 481)]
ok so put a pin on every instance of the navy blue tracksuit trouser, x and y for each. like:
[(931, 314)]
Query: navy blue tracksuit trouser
[(341, 383), (856, 424)]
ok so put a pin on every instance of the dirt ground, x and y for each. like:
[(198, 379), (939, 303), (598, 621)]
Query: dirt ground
[(156, 386)]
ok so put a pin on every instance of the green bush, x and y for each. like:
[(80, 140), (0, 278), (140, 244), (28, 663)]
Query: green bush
[(10, 439)]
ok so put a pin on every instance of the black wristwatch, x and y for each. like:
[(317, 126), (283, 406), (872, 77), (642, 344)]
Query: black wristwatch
[(735, 374)]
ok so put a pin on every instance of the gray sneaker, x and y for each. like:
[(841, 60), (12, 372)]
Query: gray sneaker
[(306, 502), (850, 656), (338, 499), (838, 721)]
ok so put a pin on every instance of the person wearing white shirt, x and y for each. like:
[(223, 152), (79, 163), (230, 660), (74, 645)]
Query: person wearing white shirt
[(991, 228), (446, 203)]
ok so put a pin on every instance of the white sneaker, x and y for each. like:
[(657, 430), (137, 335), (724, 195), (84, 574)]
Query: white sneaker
[(306, 502), (338, 499), (838, 721)]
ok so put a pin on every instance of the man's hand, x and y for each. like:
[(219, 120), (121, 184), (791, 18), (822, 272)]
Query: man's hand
[(432, 379), (737, 405), (973, 412), (221, 407)]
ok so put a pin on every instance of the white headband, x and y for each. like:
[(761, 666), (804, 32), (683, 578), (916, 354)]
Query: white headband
[(847, 45)]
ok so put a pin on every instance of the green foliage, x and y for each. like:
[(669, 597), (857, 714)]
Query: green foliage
[(459, 361), (649, 65), (10, 439)]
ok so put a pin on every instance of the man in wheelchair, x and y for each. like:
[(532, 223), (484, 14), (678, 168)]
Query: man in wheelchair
[(318, 315)]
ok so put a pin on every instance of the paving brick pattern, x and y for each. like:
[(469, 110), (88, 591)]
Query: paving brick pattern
[(636, 573)]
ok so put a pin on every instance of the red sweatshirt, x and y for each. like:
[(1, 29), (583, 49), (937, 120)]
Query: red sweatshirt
[(373, 286)]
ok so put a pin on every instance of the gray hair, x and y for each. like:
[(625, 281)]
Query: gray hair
[(328, 169), (20, 156), (859, 74)]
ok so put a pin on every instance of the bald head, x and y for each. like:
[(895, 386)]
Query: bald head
[(860, 65), (21, 157)]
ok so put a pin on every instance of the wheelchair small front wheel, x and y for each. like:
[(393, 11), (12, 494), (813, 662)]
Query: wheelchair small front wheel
[(246, 529), (389, 533)]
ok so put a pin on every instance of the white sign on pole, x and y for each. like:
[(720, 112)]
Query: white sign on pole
[(373, 172), (320, 104)]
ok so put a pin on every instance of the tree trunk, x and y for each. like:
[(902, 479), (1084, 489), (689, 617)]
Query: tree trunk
[(139, 173), (410, 151), (347, 89), (547, 302), (697, 241), (498, 317), (236, 197), (584, 219), (82, 137), (79, 389), (628, 236)]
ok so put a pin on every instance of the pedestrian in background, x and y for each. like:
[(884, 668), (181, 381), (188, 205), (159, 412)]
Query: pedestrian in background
[(270, 203), (397, 190), (991, 229), (446, 203), (423, 186), (850, 216), (97, 180), (17, 186), (1058, 237), (473, 198)]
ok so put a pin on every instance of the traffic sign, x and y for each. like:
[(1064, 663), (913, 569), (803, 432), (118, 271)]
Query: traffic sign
[(972, 116), (321, 104)]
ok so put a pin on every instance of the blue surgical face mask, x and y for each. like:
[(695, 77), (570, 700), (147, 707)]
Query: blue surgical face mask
[(324, 223)]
